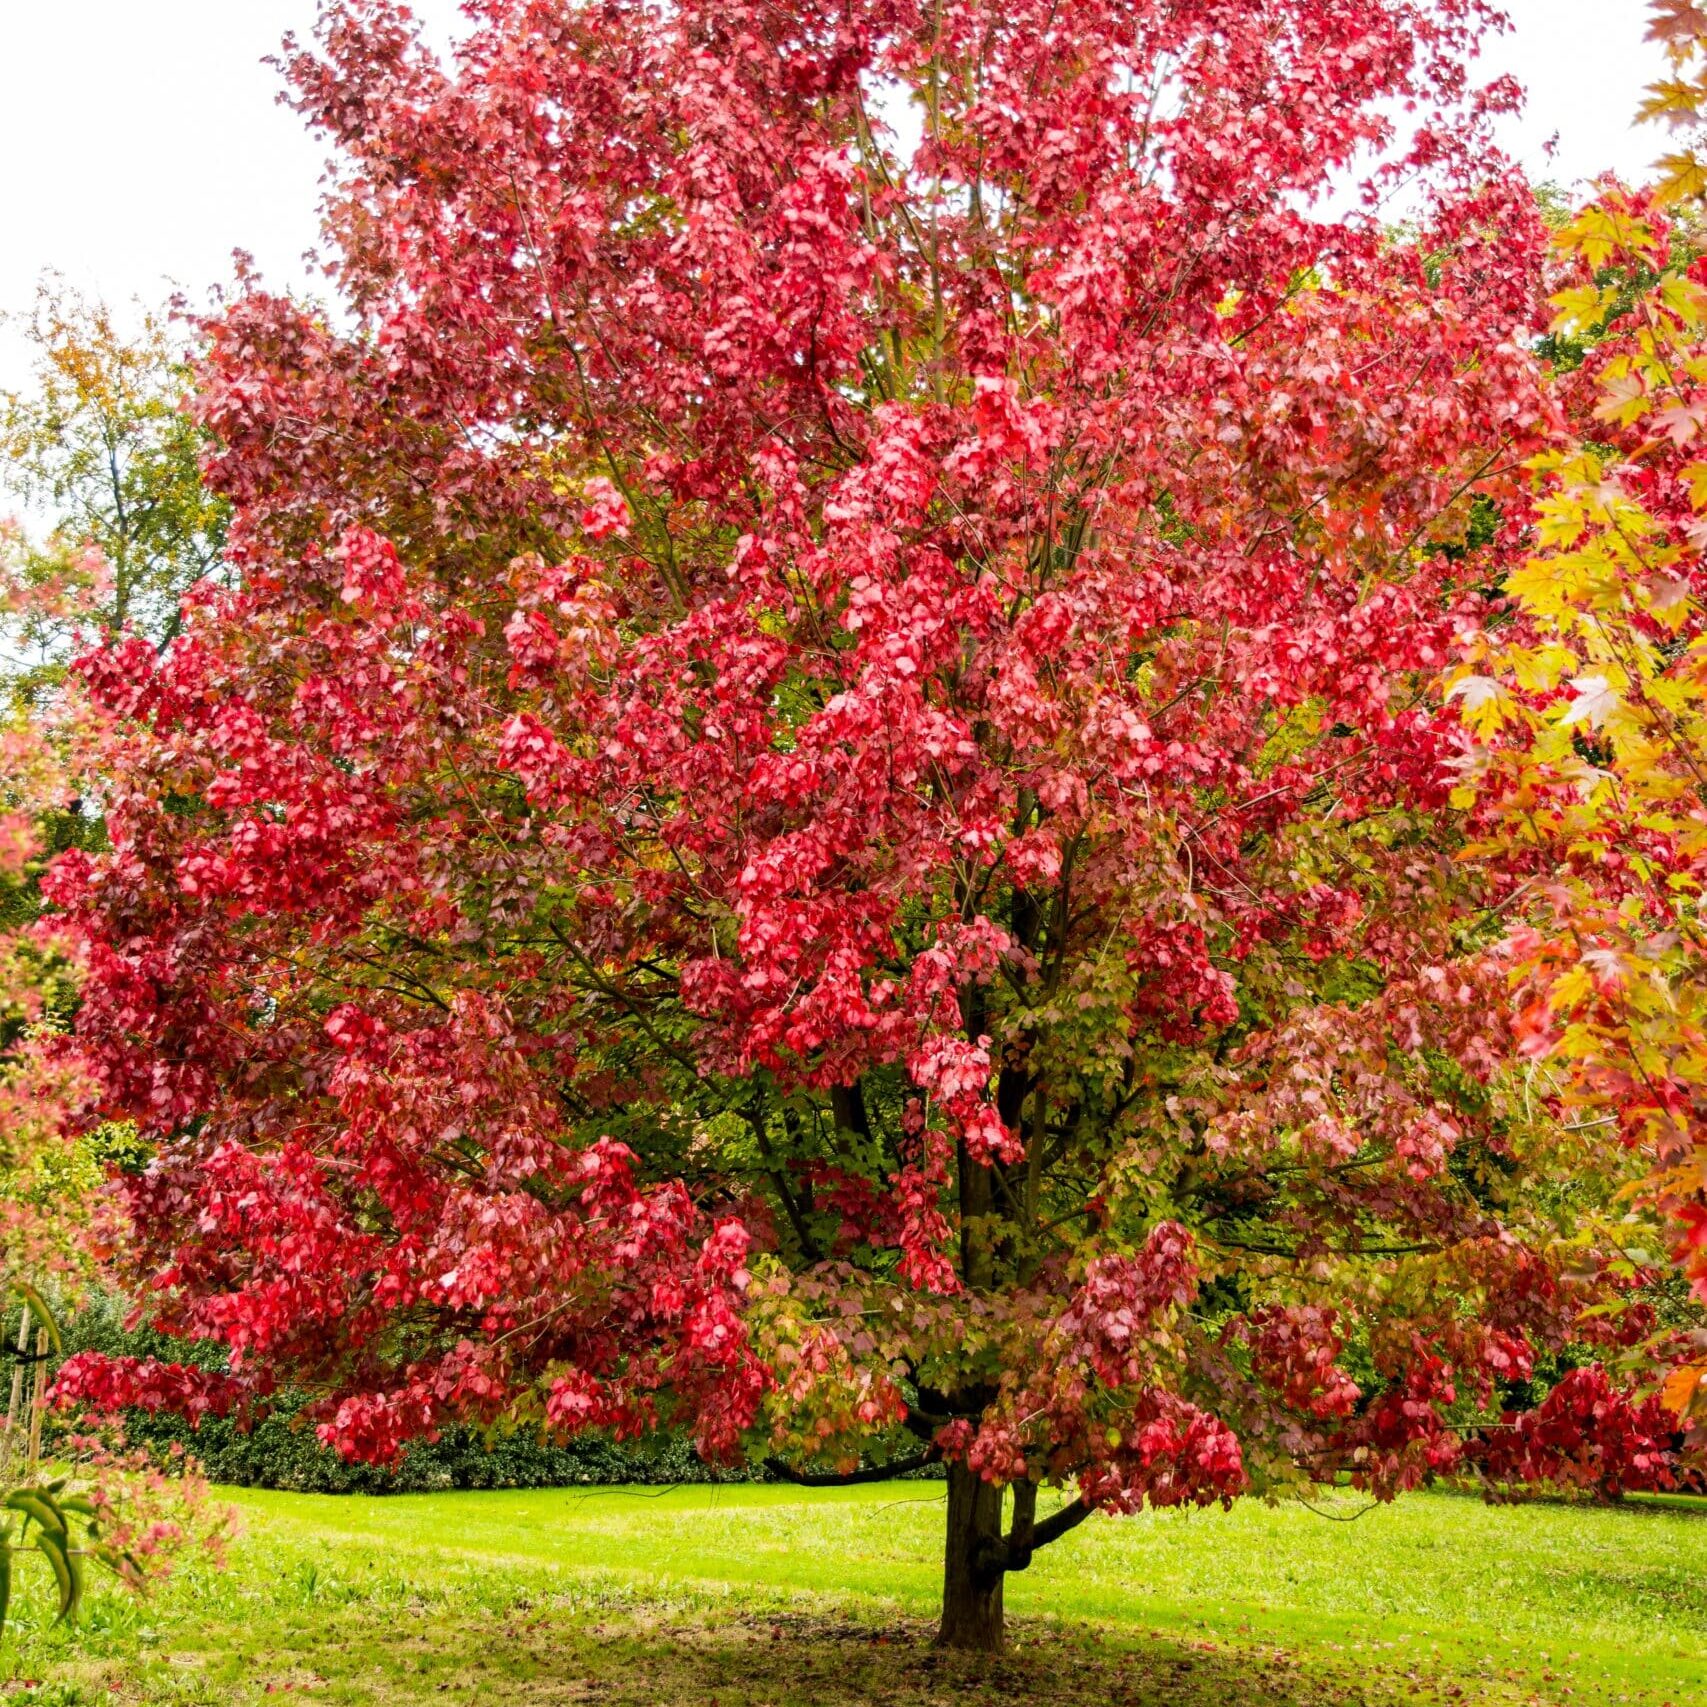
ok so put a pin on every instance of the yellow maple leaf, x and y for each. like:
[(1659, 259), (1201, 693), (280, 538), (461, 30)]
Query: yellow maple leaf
[(1624, 399), (1682, 176), (1677, 100), (1581, 308), (1601, 229)]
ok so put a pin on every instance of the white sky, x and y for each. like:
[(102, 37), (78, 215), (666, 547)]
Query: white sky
[(140, 142)]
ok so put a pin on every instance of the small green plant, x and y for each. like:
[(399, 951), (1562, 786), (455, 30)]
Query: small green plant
[(68, 1527), (40, 1520), (39, 1514)]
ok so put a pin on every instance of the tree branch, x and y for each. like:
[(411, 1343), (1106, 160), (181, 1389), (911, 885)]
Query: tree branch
[(779, 1182), (853, 1478), (1062, 1522), (1015, 1551)]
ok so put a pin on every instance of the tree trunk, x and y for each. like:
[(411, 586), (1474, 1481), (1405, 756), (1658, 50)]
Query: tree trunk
[(972, 1584)]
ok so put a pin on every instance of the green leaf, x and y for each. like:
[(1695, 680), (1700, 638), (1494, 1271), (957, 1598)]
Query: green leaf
[(38, 1307), (67, 1570), (40, 1505), (5, 1583)]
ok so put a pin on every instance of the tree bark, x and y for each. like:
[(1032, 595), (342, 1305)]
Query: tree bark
[(972, 1572)]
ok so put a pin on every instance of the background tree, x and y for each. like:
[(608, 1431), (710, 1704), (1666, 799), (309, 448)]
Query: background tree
[(820, 813), (1590, 710), (101, 446)]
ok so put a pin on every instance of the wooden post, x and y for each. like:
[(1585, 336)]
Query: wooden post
[(17, 1394)]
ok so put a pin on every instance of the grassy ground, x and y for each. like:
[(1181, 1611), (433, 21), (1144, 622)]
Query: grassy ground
[(741, 1596)]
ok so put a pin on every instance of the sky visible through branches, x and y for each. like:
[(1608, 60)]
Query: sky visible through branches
[(144, 145)]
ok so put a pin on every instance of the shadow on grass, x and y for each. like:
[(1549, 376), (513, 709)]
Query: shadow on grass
[(787, 1659), (1626, 1505)]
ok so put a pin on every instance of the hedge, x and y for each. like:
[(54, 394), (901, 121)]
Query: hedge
[(277, 1451)]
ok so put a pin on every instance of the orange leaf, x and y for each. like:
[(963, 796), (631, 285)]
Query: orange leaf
[(1675, 20), (1682, 1391)]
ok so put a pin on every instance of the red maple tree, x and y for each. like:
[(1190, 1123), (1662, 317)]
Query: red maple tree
[(819, 816)]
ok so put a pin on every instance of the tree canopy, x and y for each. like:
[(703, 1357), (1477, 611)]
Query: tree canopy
[(821, 812)]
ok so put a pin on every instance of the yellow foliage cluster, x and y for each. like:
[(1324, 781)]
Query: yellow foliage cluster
[(1589, 707)]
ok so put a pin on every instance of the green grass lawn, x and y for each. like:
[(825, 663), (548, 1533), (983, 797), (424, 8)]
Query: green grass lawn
[(746, 1595)]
